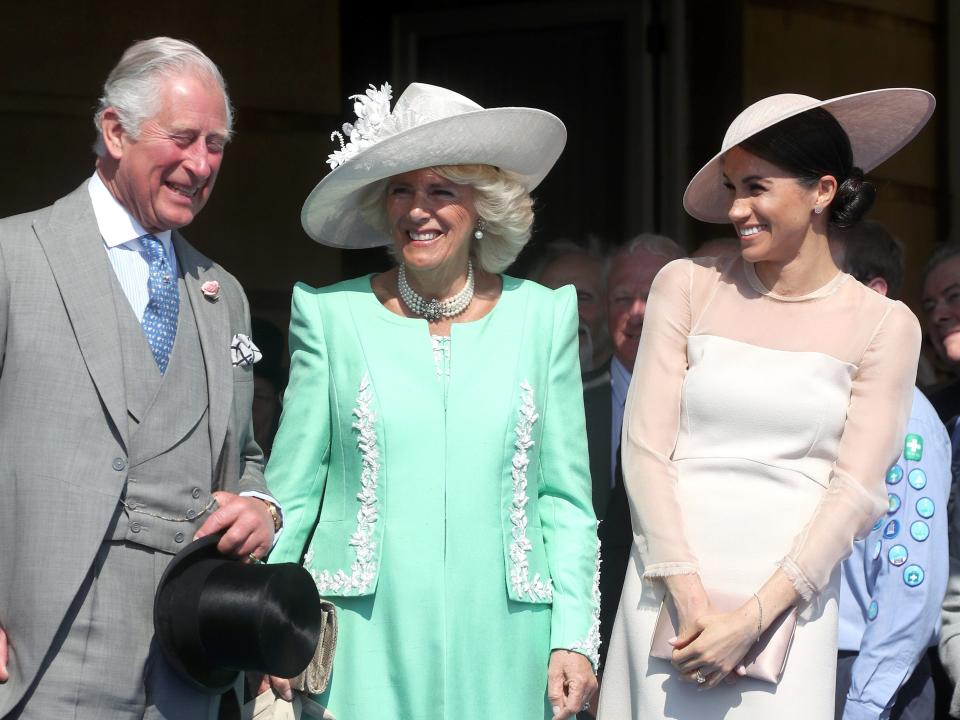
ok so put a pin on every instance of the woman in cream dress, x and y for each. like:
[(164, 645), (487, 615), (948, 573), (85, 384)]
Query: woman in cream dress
[(767, 401)]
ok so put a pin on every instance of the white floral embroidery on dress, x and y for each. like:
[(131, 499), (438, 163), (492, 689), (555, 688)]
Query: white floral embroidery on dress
[(441, 354), (590, 645), (536, 588), (364, 569)]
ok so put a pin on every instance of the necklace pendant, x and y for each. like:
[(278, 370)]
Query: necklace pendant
[(433, 312)]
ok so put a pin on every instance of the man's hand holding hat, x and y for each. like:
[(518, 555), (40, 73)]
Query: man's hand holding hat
[(245, 522)]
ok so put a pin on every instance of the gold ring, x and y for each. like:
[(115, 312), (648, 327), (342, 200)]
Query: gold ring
[(254, 559), (700, 678)]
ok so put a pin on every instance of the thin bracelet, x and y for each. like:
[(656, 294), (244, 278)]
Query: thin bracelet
[(760, 619)]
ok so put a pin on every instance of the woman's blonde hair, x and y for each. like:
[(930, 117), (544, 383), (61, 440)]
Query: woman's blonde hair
[(501, 201)]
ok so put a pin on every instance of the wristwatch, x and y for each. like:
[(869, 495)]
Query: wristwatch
[(275, 515)]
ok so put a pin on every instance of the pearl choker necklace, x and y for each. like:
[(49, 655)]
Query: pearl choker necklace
[(435, 310)]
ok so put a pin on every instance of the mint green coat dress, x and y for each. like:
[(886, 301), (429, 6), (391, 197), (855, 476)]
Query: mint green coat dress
[(444, 508)]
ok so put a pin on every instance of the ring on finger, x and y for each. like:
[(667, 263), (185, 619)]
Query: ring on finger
[(700, 678)]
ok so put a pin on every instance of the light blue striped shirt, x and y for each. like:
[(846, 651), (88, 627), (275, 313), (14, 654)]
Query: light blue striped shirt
[(121, 239)]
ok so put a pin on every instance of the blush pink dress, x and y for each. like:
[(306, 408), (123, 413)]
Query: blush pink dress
[(757, 432)]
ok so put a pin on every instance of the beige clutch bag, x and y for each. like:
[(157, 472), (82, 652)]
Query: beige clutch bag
[(313, 680), (764, 661)]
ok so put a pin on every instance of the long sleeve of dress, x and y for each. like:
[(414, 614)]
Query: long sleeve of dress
[(297, 469), (880, 401), (566, 510), (651, 423)]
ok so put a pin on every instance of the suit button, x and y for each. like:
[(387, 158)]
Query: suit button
[(119, 463), (191, 514), (135, 526), (196, 493), (178, 538)]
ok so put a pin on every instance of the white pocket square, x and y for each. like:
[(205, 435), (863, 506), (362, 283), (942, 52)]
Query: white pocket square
[(243, 352)]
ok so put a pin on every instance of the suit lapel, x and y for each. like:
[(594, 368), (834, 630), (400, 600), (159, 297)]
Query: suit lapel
[(213, 325), (74, 249)]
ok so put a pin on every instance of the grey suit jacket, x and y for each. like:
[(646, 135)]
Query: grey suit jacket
[(63, 417)]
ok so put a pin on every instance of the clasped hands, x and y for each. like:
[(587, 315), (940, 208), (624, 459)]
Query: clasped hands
[(710, 645)]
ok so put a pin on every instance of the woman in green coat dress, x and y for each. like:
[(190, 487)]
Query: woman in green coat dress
[(431, 459)]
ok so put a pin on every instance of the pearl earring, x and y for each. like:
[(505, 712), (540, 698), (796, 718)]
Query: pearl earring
[(478, 233)]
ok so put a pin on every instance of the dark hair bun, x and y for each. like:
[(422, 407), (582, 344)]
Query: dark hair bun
[(853, 200)]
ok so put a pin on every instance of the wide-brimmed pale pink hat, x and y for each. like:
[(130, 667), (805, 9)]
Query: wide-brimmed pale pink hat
[(430, 126), (878, 123)]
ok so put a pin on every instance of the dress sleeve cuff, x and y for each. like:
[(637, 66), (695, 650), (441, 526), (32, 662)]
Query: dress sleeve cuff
[(659, 570), (801, 583)]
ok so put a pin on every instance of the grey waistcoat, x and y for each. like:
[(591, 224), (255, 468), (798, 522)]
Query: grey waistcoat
[(167, 495)]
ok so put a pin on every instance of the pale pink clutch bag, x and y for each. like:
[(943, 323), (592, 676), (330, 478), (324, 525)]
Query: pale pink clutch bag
[(764, 661)]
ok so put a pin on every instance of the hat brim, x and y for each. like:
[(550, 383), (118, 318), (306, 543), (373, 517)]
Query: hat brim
[(525, 141), (209, 680), (878, 123)]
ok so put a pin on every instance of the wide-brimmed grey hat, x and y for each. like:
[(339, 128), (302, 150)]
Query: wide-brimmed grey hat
[(878, 123), (430, 126)]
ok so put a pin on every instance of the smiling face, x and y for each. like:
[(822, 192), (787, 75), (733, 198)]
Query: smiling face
[(628, 287), (164, 177), (941, 304), (431, 220), (770, 210)]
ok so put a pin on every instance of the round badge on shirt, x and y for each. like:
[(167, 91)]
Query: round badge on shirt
[(919, 531), (893, 503), (913, 575), (917, 479), (897, 555), (925, 507)]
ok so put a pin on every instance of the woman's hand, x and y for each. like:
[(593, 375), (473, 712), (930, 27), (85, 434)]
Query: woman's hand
[(570, 683), (715, 644), (691, 602)]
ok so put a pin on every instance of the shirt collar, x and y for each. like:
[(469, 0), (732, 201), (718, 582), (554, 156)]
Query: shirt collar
[(619, 378), (117, 226)]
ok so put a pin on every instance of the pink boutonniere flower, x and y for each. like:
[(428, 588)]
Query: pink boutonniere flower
[(210, 290)]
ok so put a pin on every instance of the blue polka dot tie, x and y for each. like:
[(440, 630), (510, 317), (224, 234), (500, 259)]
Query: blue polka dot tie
[(160, 315)]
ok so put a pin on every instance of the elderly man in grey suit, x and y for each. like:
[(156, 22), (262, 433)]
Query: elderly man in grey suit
[(125, 395)]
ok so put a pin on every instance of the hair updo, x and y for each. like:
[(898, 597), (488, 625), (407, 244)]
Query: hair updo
[(813, 144)]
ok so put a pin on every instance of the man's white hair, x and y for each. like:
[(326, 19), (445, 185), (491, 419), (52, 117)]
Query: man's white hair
[(133, 87), (650, 243)]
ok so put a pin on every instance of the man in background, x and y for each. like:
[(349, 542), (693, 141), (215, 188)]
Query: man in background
[(566, 263), (893, 583), (632, 270)]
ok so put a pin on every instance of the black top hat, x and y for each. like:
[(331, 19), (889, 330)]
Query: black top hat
[(215, 617)]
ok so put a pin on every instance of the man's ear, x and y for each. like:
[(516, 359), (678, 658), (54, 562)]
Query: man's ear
[(114, 136)]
